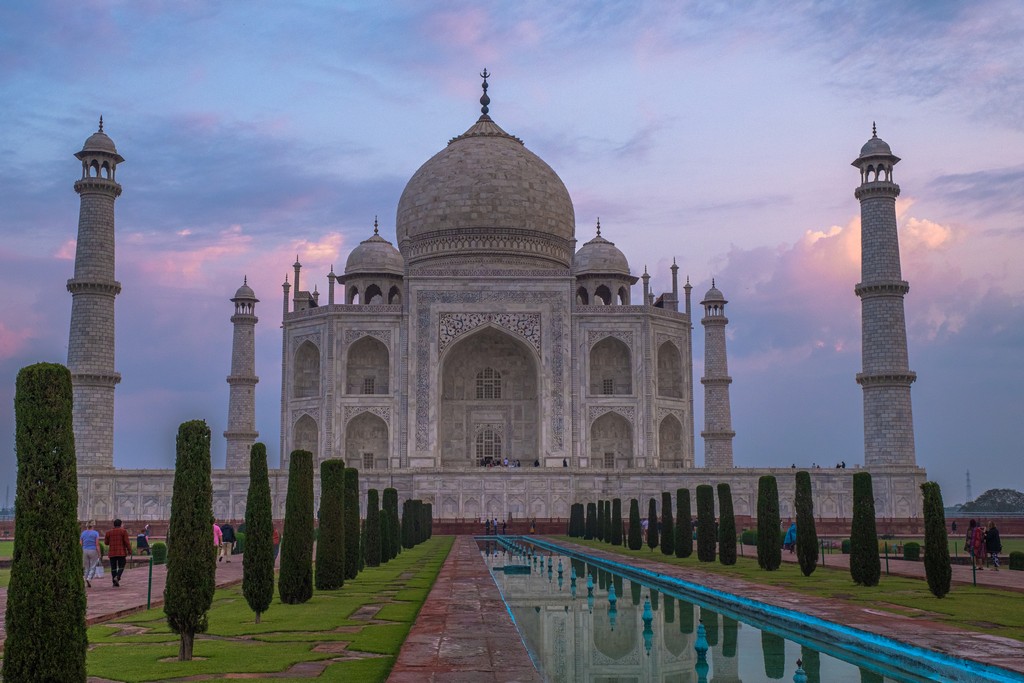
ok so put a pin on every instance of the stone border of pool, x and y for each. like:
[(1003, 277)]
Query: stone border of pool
[(826, 624)]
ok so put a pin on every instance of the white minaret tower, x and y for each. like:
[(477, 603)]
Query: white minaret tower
[(93, 288), (718, 433), (241, 432), (886, 377)]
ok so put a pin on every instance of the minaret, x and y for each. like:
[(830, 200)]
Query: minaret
[(886, 377), (93, 288), (241, 432), (717, 432)]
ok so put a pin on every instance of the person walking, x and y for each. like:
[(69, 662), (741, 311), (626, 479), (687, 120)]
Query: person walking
[(218, 538), (119, 547), (789, 542), (975, 543), (993, 545), (227, 545), (90, 540)]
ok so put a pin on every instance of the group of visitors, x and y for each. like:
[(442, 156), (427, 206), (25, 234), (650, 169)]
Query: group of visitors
[(119, 548), (490, 462), (981, 542), (224, 541), (491, 527)]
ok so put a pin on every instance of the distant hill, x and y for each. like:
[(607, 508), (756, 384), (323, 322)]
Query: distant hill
[(996, 500)]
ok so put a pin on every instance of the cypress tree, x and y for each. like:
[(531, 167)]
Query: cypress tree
[(608, 522), (617, 521), (591, 529), (362, 545), (295, 583), (936, 546), (668, 532), (351, 521), (581, 524), (652, 525), (865, 565), (385, 535), (806, 532), (636, 539), (407, 524), (429, 510), (726, 526), (706, 523), (599, 535), (191, 570), (373, 544), (46, 633), (769, 541), (258, 562), (394, 523), (330, 546), (684, 529)]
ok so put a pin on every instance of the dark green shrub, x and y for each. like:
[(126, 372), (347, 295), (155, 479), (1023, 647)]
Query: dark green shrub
[(159, 552), (937, 568), (773, 649), (706, 537), (428, 509), (385, 534), (373, 543), (845, 546), (684, 527), (668, 532), (351, 520), (330, 545), (749, 537), (408, 531), (295, 581), (726, 526), (806, 531), (865, 565), (912, 551), (191, 572), (394, 522), (635, 541), (258, 567), (616, 535), (1016, 561), (362, 545), (46, 638), (608, 521), (591, 529), (769, 538), (576, 520), (239, 548), (599, 530), (652, 524)]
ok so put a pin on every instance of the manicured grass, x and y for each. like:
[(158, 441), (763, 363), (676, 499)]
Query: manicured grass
[(5, 577), (7, 549), (989, 610), (287, 635)]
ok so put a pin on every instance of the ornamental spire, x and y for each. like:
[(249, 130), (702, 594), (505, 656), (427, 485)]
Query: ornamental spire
[(599, 226), (874, 131), (101, 123), (375, 225), (484, 99)]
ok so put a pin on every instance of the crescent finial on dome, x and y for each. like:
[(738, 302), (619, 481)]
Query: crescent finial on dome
[(484, 99), (375, 230)]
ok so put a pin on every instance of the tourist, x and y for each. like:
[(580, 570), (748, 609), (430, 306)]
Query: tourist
[(277, 542), (119, 547), (487, 527), (228, 539), (90, 540), (789, 543), (565, 462), (643, 529), (142, 543), (954, 526), (503, 528), (993, 545), (975, 543), (218, 538)]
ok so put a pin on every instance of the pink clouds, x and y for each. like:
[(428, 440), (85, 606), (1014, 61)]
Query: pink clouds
[(66, 251), (15, 340)]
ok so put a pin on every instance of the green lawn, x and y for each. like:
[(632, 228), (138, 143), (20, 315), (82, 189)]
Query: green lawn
[(7, 549), (989, 610), (329, 629)]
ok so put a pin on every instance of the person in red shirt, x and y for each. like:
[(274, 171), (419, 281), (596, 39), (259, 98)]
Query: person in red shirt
[(119, 547)]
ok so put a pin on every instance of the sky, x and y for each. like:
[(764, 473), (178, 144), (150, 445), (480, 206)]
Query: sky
[(718, 134)]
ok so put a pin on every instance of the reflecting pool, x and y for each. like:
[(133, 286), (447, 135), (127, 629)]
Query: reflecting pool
[(582, 622)]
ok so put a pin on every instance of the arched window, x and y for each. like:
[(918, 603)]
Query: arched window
[(670, 371), (488, 447), (306, 371), (368, 367), (611, 370), (373, 295), (488, 384), (603, 295), (582, 297), (623, 296), (395, 295), (352, 297)]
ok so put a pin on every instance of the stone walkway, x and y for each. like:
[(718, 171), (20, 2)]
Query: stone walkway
[(463, 631), (106, 602)]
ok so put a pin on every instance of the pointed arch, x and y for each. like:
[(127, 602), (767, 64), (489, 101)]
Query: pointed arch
[(623, 296), (603, 295), (582, 297), (394, 295), (670, 442), (611, 368), (611, 442), (373, 295), (487, 447), (306, 436), (306, 371), (367, 442), (670, 371), (352, 295), (368, 368)]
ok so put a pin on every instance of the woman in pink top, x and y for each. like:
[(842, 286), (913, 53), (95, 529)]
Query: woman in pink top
[(218, 537)]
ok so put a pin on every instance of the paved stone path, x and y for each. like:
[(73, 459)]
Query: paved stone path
[(463, 631)]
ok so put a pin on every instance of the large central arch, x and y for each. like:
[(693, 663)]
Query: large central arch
[(490, 393)]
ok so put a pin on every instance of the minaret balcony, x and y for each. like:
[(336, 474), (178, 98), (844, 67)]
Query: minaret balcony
[(98, 185), (877, 289), (886, 379), (107, 287), (878, 188), (95, 379)]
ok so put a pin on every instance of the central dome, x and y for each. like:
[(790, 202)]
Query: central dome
[(486, 201)]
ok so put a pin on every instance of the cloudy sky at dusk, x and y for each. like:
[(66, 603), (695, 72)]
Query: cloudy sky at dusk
[(722, 137)]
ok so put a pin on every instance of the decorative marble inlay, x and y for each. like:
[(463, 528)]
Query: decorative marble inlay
[(313, 412), (383, 412), (495, 427), (625, 336), (594, 412), (451, 326), (298, 339), (665, 412), (356, 335), (424, 313)]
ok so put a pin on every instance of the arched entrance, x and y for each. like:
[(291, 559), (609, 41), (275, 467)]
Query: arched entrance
[(489, 401)]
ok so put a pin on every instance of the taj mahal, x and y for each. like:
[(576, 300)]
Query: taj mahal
[(496, 359)]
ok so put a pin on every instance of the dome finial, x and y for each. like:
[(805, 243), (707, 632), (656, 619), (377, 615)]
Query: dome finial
[(874, 131), (598, 226), (374, 225), (484, 99), (245, 279), (101, 123), (712, 283)]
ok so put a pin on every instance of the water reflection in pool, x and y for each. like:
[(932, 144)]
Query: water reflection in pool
[(620, 630)]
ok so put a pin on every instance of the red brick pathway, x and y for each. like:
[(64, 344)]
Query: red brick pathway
[(463, 631)]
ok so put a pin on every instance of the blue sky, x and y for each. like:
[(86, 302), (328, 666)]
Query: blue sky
[(718, 135)]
